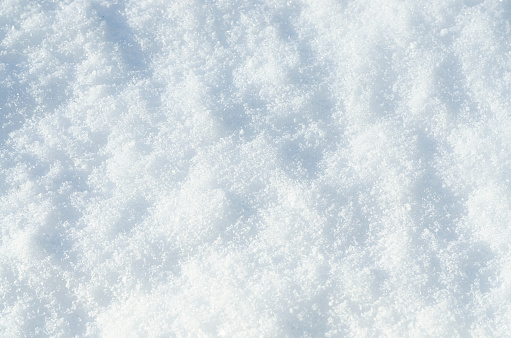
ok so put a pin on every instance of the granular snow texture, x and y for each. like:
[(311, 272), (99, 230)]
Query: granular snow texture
[(247, 168)]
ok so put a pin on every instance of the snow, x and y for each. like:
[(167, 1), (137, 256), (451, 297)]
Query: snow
[(255, 168)]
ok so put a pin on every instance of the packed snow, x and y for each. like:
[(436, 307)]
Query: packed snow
[(246, 168)]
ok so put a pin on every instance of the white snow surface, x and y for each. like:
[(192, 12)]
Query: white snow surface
[(247, 168)]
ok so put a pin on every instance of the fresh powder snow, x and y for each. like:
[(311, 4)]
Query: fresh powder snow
[(246, 168)]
